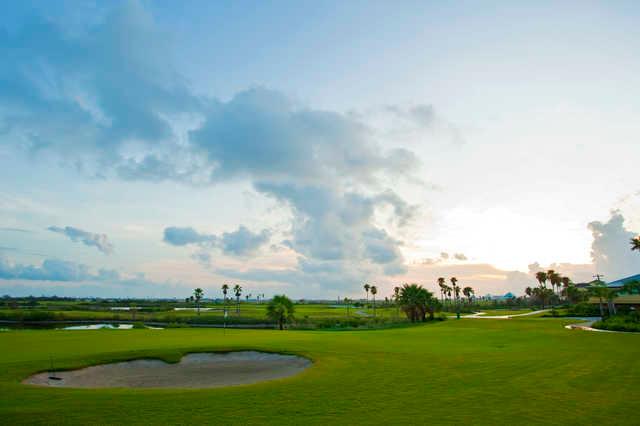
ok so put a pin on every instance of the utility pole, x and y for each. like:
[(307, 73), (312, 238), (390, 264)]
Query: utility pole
[(598, 276)]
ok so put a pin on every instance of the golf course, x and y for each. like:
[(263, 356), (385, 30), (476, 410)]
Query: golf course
[(525, 370)]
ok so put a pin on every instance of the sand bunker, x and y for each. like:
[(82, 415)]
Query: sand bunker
[(202, 370)]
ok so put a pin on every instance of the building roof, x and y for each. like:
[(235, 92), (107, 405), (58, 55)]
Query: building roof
[(621, 282)]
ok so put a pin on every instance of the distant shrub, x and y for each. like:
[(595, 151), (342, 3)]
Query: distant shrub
[(583, 309), (619, 323)]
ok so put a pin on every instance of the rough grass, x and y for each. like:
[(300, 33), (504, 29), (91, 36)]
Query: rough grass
[(525, 371), (251, 313)]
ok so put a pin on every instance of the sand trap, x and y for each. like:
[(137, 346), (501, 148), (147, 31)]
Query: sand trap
[(203, 370)]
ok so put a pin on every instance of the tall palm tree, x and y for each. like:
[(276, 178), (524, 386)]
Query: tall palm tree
[(237, 290), (225, 289), (601, 291), (542, 278), (280, 309), (566, 282), (555, 279), (456, 293), (442, 284), (468, 292), (366, 289), (635, 243), (197, 296), (374, 291), (396, 296)]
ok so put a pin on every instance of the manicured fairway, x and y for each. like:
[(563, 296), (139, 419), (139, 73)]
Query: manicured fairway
[(520, 371)]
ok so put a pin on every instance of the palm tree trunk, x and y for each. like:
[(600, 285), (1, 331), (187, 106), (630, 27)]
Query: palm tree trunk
[(601, 309)]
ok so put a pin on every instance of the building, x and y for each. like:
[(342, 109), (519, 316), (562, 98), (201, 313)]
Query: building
[(621, 282), (623, 298)]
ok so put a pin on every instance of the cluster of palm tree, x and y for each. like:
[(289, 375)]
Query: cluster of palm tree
[(237, 291), (374, 290), (452, 293), (560, 285), (417, 302)]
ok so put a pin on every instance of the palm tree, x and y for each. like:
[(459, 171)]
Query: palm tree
[(448, 289), (601, 291), (468, 292), (542, 278), (416, 302), (456, 292), (280, 309), (555, 279), (543, 294), (197, 296), (225, 289), (635, 243), (396, 296), (347, 302), (237, 290), (442, 284), (366, 288), (528, 291), (374, 291)]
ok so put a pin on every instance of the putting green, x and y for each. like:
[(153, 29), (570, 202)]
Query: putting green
[(522, 371)]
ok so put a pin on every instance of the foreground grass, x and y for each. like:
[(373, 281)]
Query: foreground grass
[(469, 371)]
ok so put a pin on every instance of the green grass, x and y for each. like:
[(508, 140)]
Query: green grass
[(493, 312), (525, 371), (249, 314)]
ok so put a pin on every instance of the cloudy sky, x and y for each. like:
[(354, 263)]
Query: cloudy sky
[(308, 147)]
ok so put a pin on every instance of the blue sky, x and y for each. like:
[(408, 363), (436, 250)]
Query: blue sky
[(308, 147)]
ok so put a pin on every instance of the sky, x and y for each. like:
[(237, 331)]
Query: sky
[(307, 148)]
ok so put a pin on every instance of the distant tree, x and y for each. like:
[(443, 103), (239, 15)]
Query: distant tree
[(280, 309), (374, 291), (225, 290), (543, 294), (347, 303), (416, 302), (237, 290), (555, 279), (396, 297), (528, 291), (601, 291), (542, 278), (468, 292), (456, 293), (632, 287), (443, 286), (572, 293), (366, 289), (198, 293), (635, 243)]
